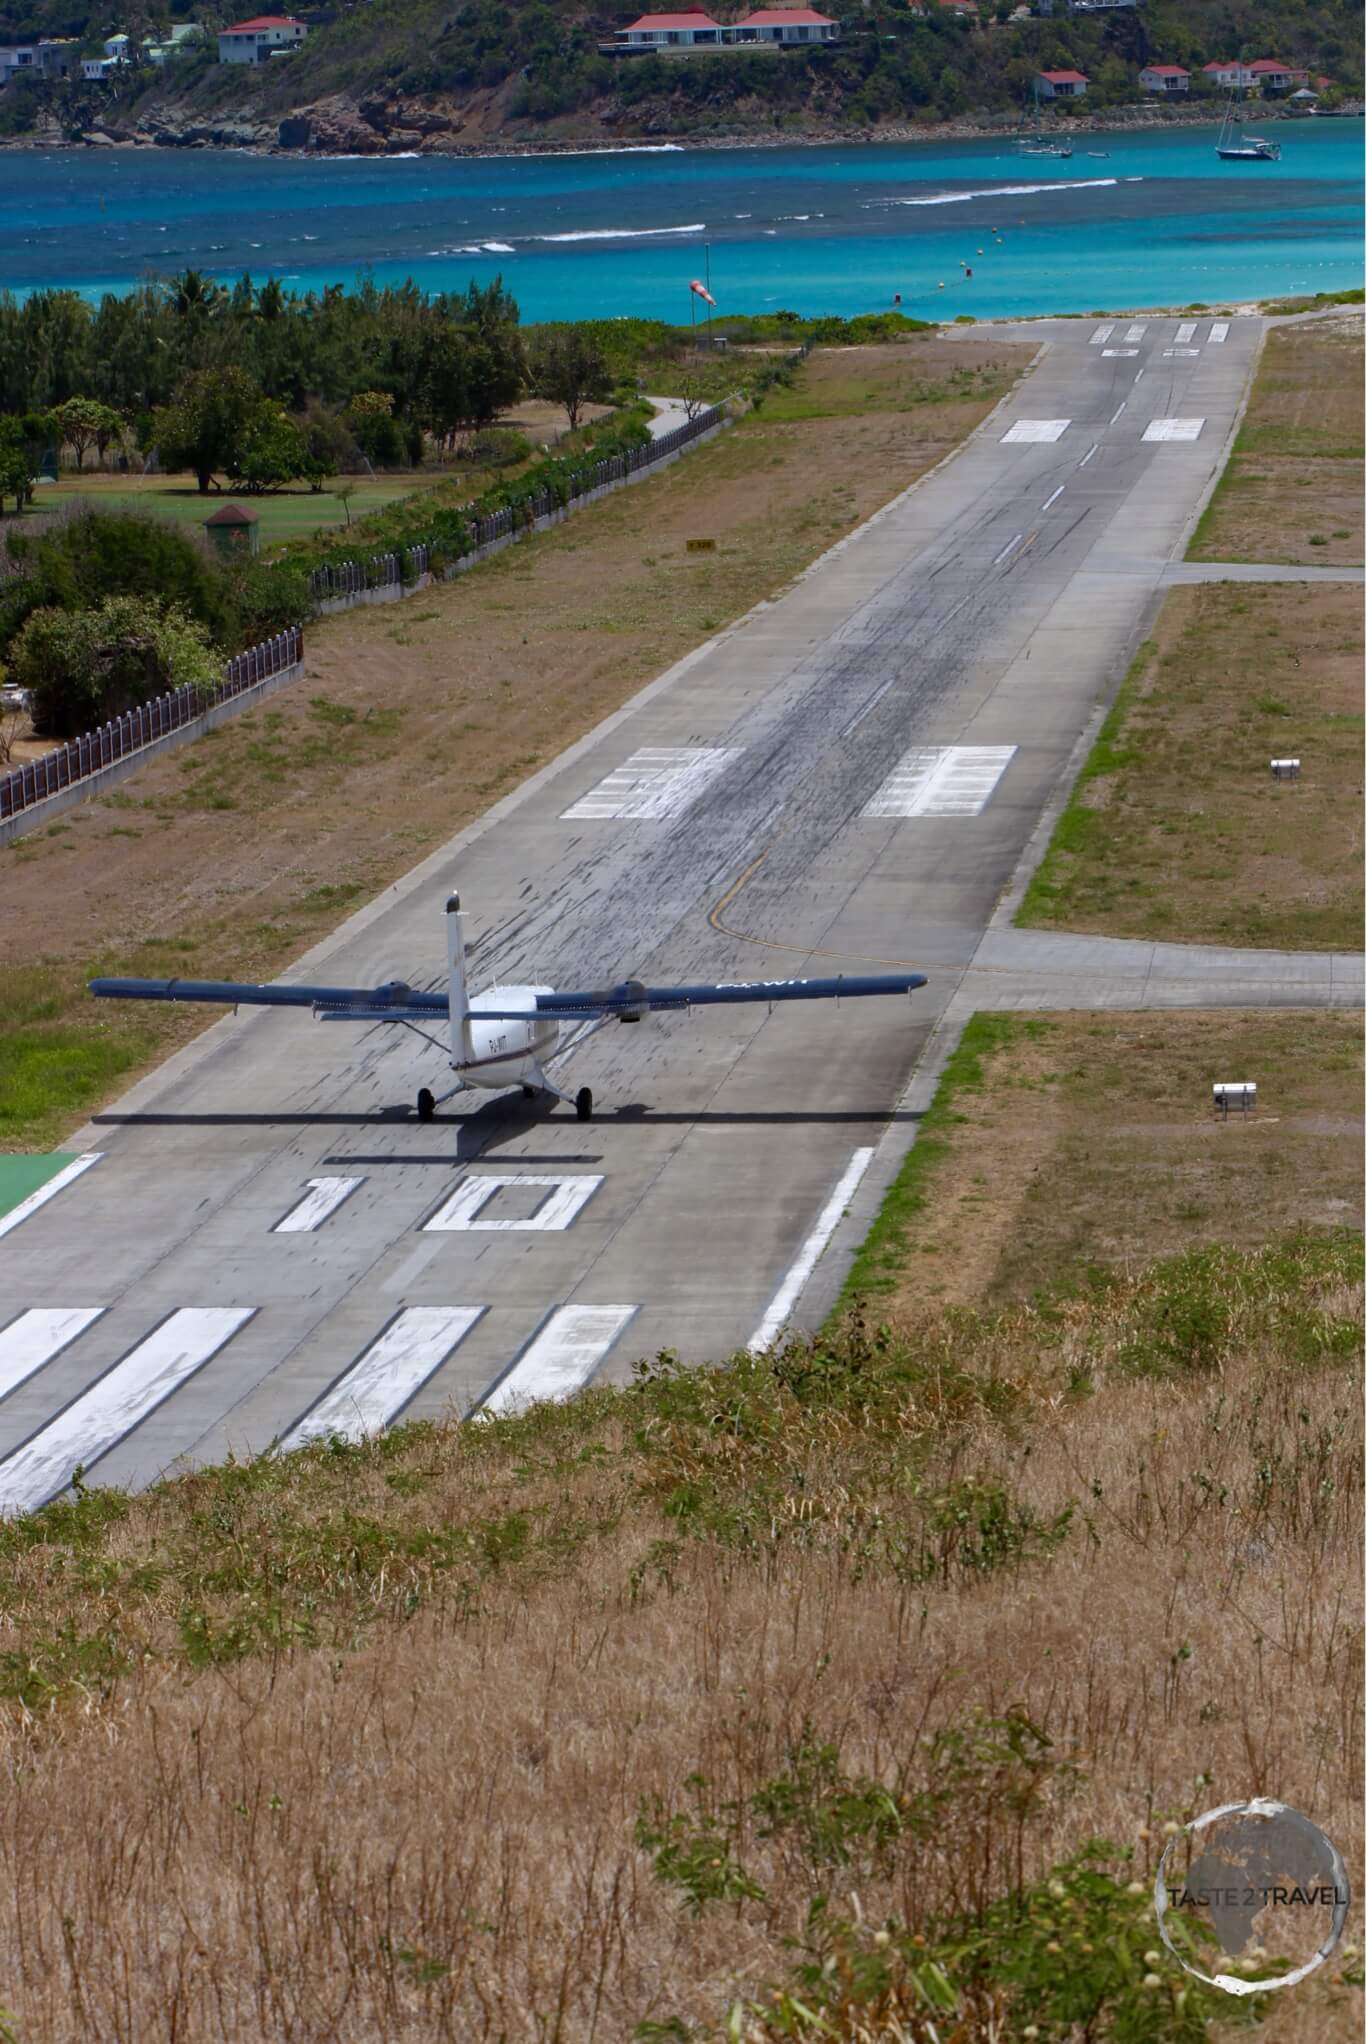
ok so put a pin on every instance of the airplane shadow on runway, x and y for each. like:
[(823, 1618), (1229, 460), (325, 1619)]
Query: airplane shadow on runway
[(506, 1120)]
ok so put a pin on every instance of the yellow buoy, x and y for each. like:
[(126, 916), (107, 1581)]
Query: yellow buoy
[(941, 287)]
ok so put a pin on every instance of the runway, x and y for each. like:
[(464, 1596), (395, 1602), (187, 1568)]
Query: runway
[(268, 1247)]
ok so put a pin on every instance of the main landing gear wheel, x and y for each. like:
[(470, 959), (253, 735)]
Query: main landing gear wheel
[(528, 1092), (583, 1104), (426, 1105)]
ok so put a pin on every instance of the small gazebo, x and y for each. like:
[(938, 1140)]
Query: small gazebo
[(234, 529)]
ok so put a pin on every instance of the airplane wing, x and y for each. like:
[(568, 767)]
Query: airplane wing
[(629, 1001), (393, 1003)]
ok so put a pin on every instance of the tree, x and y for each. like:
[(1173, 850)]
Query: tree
[(271, 452), (91, 554), (208, 422), (23, 438), (82, 667), (569, 368), (83, 423)]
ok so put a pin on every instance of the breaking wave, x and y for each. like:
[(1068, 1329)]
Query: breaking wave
[(622, 233), (1056, 184)]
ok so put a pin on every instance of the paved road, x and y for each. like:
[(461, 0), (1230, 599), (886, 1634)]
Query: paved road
[(849, 777)]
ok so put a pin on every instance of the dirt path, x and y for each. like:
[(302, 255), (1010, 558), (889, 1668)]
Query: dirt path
[(239, 851)]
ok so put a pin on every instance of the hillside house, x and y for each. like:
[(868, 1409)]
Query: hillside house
[(1273, 76), (1230, 77), (1061, 84), (1166, 79), (265, 36), (768, 28), (48, 57)]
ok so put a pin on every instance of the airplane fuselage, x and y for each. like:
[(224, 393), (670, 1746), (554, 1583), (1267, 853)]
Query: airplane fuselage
[(498, 1054)]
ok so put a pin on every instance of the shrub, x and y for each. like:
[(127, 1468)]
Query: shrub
[(83, 667)]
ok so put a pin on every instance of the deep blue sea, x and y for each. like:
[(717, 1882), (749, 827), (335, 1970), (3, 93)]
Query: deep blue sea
[(1135, 220)]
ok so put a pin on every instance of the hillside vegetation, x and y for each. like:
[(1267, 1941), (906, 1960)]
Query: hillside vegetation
[(425, 73)]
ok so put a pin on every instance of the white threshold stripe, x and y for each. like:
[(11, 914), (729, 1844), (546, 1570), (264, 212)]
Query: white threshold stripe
[(564, 1197), (1008, 548), (1033, 431), (57, 1183), (1173, 429), (656, 781), (1126, 354), (324, 1196), (1123, 405), (561, 1358), (370, 1395), (1218, 331), (941, 780), (1091, 451), (1170, 354), (1186, 331), (100, 1417), (36, 1337), (1054, 498), (793, 1284), (1136, 333), (1102, 333)]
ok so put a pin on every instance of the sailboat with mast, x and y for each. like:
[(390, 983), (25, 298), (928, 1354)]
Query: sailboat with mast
[(1235, 148)]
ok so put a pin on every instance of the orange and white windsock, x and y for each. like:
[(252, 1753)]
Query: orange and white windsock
[(700, 288)]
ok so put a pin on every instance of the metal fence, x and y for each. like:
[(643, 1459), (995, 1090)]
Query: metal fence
[(408, 564), (33, 782)]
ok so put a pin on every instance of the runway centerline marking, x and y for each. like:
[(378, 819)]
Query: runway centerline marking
[(36, 1337), (562, 1357), (1168, 354), (1173, 429), (564, 1197), (1139, 377), (1031, 431), (790, 1290), (1127, 353), (57, 1183), (100, 1417), (656, 781), (1122, 406), (1091, 451), (1008, 548), (324, 1196), (372, 1393), (1218, 331), (1054, 498), (941, 780)]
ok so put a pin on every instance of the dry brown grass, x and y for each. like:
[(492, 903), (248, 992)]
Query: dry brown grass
[(1091, 1142), (246, 847), (431, 1834), (1176, 829), (1292, 490)]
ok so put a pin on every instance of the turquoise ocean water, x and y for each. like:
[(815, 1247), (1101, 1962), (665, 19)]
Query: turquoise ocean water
[(1131, 220)]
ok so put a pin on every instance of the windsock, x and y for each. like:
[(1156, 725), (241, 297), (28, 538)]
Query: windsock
[(700, 288)]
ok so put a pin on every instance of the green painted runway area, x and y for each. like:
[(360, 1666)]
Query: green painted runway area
[(20, 1176)]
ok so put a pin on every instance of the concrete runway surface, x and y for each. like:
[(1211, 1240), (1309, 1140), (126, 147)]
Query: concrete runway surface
[(268, 1247)]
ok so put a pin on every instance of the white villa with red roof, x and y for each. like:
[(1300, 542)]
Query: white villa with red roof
[(1164, 78), (693, 28), (1062, 84), (266, 35)]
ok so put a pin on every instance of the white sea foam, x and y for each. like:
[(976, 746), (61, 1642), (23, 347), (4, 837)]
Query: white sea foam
[(622, 233), (499, 247), (1060, 184)]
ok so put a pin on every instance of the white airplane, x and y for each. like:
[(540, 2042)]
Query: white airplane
[(508, 1035)]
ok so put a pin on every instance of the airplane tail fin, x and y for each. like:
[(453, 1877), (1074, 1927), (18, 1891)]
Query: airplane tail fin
[(455, 973)]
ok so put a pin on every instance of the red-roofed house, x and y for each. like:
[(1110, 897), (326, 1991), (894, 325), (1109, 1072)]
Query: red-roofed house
[(1062, 84), (266, 35), (684, 30), (786, 25), (1164, 78), (1274, 76), (1229, 75)]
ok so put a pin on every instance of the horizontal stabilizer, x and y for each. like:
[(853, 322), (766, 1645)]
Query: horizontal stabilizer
[(387, 1003)]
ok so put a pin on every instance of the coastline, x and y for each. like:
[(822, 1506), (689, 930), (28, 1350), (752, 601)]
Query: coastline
[(245, 133)]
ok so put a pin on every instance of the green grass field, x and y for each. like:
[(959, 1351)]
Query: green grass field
[(292, 514)]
